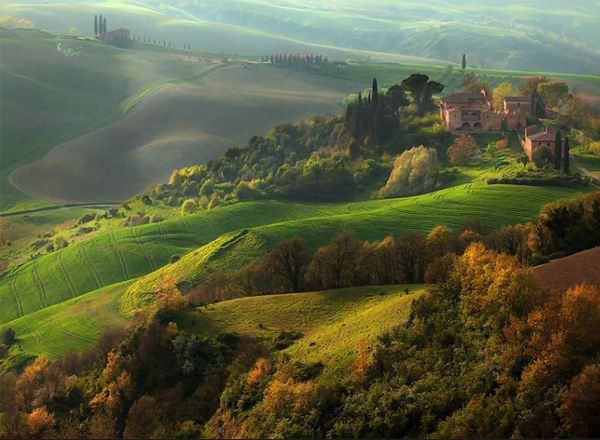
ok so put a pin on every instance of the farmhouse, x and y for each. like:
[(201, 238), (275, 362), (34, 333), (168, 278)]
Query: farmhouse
[(121, 34), (534, 138), (517, 104), (474, 112)]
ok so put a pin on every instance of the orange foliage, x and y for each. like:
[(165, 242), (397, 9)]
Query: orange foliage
[(261, 369), (360, 367), (39, 383), (112, 397), (463, 149), (40, 421), (285, 399)]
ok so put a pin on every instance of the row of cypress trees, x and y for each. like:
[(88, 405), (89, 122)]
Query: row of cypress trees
[(99, 25)]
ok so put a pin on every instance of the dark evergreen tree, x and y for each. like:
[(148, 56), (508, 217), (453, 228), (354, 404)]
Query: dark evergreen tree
[(375, 93), (557, 151), (104, 28), (95, 25), (9, 337), (464, 62), (566, 158), (100, 24)]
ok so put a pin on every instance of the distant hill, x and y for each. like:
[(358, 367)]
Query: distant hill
[(525, 35)]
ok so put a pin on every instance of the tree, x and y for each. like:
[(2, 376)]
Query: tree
[(581, 406), (463, 148), (566, 156), (40, 421), (375, 93), (95, 24), (553, 93), (9, 337), (289, 259), (502, 91), (464, 61), (542, 156), (104, 25), (142, 419), (189, 207), (334, 265), (557, 151), (422, 90), (472, 84), (415, 172)]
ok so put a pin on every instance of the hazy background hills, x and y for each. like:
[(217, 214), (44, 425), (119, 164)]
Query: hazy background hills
[(530, 35)]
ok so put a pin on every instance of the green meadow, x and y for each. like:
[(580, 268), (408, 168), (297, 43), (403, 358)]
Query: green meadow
[(122, 254), (332, 323)]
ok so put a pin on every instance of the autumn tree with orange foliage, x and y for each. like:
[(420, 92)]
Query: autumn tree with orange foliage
[(463, 149), (40, 421)]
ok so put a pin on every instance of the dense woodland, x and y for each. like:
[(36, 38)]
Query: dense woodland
[(485, 353)]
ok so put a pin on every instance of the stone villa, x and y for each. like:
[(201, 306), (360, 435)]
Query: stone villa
[(474, 112), (535, 138), (121, 34)]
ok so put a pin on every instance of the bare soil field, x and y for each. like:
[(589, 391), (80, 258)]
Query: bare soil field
[(179, 125), (564, 273)]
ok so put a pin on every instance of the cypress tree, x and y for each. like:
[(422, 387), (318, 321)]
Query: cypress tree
[(95, 24), (464, 62), (566, 157), (557, 151), (100, 24), (375, 93)]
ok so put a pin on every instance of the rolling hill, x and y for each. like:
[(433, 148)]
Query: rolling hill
[(332, 323), (172, 109), (541, 35), (126, 253)]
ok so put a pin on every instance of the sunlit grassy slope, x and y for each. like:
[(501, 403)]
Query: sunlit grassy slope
[(48, 97), (128, 253), (332, 322), (73, 325)]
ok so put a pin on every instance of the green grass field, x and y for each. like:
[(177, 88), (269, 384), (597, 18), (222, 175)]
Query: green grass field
[(125, 253), (73, 325), (332, 322)]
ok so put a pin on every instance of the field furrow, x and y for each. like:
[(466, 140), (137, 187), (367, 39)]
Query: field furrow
[(84, 256), (40, 286), (65, 274), (115, 246), (15, 296)]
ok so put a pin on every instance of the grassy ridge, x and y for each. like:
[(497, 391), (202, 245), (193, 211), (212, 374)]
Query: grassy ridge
[(372, 220), (73, 325), (128, 253), (332, 322)]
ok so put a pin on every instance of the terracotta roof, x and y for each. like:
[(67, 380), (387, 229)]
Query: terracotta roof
[(517, 99), (567, 272), (463, 97), (542, 137)]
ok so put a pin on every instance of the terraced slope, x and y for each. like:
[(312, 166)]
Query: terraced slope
[(332, 322)]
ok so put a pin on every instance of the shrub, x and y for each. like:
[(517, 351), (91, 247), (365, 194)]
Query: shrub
[(189, 207), (415, 172), (463, 148)]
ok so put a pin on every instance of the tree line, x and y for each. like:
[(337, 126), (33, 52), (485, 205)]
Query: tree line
[(295, 59)]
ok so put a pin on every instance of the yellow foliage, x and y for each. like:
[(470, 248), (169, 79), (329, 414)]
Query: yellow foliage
[(360, 367), (285, 399)]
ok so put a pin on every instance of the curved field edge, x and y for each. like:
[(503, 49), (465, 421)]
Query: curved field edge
[(122, 253), (73, 325), (332, 322)]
